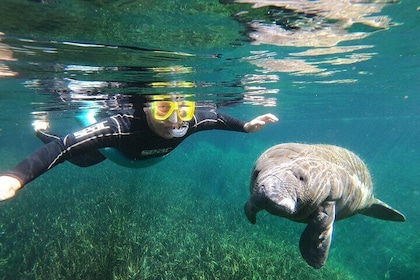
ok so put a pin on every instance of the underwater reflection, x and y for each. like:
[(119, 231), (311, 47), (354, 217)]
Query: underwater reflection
[(5, 55), (74, 75), (317, 26)]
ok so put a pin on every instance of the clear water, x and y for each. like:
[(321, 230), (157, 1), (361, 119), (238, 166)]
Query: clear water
[(346, 75)]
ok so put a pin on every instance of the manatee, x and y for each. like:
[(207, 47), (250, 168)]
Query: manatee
[(316, 185)]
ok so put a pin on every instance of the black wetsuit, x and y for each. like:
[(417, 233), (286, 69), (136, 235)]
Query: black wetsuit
[(128, 133)]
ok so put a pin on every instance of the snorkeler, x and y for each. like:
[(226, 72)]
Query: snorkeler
[(131, 139)]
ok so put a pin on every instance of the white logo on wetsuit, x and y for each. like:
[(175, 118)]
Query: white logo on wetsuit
[(91, 129)]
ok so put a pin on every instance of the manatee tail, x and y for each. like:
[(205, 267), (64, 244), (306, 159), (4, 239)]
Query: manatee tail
[(381, 210)]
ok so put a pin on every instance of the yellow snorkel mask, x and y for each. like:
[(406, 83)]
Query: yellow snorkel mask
[(163, 109)]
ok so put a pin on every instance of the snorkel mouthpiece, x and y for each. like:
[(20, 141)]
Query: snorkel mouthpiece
[(181, 131)]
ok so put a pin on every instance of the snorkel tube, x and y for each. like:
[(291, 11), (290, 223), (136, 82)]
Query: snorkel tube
[(87, 118)]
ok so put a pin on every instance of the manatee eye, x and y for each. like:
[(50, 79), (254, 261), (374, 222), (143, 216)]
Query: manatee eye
[(299, 176)]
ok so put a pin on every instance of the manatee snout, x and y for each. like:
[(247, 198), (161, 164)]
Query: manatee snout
[(270, 194)]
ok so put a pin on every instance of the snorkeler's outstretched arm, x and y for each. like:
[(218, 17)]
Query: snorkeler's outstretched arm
[(8, 187), (212, 120), (259, 122), (31, 167), (106, 133)]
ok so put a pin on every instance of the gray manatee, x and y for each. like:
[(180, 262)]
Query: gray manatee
[(316, 185)]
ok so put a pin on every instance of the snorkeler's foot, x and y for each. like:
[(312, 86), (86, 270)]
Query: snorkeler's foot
[(8, 187)]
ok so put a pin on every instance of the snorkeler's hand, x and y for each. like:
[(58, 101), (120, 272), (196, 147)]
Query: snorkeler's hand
[(8, 187), (259, 122)]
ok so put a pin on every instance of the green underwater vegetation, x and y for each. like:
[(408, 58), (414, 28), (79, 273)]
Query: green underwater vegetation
[(148, 24), (175, 220)]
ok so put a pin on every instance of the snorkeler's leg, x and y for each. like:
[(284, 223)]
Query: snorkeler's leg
[(46, 137)]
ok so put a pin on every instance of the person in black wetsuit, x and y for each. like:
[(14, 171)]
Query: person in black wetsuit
[(147, 133)]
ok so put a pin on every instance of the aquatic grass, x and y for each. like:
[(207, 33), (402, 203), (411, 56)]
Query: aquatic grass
[(108, 222)]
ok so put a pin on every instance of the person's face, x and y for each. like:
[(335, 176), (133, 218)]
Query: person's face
[(164, 116)]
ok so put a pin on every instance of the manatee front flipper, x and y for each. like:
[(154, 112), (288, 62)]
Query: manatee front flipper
[(253, 206), (316, 238), (251, 212)]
